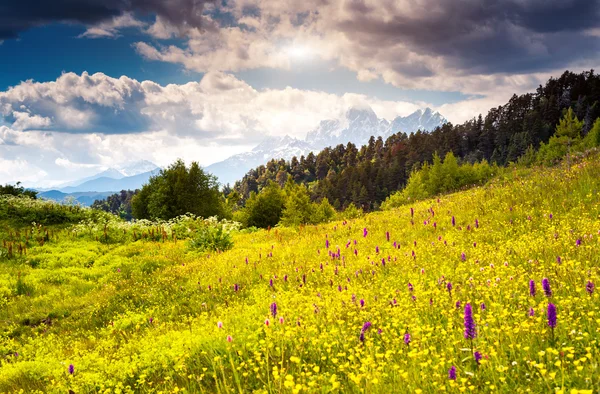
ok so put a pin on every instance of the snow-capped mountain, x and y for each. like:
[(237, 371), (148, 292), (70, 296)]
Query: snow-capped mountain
[(137, 167), (235, 167), (418, 120), (356, 126)]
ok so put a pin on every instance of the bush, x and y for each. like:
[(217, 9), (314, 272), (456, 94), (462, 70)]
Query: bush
[(213, 238), (176, 191), (263, 209), (441, 177)]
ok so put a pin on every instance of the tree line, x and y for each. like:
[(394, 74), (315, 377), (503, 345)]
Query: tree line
[(365, 176), (534, 128)]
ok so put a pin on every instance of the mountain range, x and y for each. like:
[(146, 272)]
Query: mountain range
[(99, 186), (356, 126)]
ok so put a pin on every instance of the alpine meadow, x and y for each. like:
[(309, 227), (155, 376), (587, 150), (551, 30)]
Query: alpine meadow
[(283, 197)]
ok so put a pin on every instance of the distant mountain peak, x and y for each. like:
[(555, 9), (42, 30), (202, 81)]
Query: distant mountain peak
[(422, 119), (356, 113), (137, 167), (272, 142), (356, 125)]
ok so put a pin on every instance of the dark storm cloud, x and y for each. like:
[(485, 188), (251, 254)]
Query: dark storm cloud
[(483, 36), (20, 15)]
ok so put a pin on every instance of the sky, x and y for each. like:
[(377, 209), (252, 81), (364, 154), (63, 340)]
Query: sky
[(90, 84)]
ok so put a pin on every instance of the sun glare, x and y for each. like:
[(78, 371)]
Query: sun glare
[(298, 51)]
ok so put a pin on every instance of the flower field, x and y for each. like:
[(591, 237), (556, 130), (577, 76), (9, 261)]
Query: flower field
[(488, 290)]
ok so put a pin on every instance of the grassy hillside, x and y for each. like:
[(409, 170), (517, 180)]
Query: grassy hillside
[(322, 308)]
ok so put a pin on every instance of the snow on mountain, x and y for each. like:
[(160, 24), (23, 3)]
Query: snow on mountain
[(235, 167), (356, 126), (138, 167), (425, 120)]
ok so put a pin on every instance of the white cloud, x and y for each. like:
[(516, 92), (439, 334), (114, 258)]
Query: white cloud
[(205, 121), (110, 29), (218, 107), (20, 170), (24, 121), (66, 163)]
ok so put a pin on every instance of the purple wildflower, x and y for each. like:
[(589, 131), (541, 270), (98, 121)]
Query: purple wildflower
[(558, 259), (482, 306), (463, 256), (452, 373), (457, 304), (412, 212), (589, 287), (578, 242), (236, 287), (410, 287), (546, 287), (469, 322), (453, 221), (327, 243), (531, 312), (364, 329), (477, 357), (532, 288), (449, 287), (551, 315), (365, 232), (274, 309), (71, 369), (407, 338), (476, 223), (387, 236), (362, 302)]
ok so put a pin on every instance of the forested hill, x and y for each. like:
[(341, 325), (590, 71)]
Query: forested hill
[(366, 175)]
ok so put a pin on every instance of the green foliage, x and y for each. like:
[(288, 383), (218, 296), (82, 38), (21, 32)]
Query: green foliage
[(298, 207), (17, 190), (212, 238), (592, 139), (351, 212), (441, 177), (569, 126), (567, 140), (118, 204), (263, 209), (24, 210), (176, 191), (323, 212), (552, 153)]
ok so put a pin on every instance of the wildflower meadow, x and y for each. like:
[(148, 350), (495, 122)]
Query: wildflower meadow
[(491, 289)]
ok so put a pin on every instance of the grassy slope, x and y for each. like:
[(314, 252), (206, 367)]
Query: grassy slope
[(90, 304)]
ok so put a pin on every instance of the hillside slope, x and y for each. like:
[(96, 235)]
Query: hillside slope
[(375, 304)]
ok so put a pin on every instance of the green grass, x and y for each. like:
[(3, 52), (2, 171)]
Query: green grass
[(141, 315)]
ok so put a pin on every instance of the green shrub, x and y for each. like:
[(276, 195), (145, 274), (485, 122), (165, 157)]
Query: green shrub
[(213, 238)]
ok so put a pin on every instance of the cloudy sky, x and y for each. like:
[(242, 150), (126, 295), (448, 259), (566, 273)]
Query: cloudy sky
[(89, 84)]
